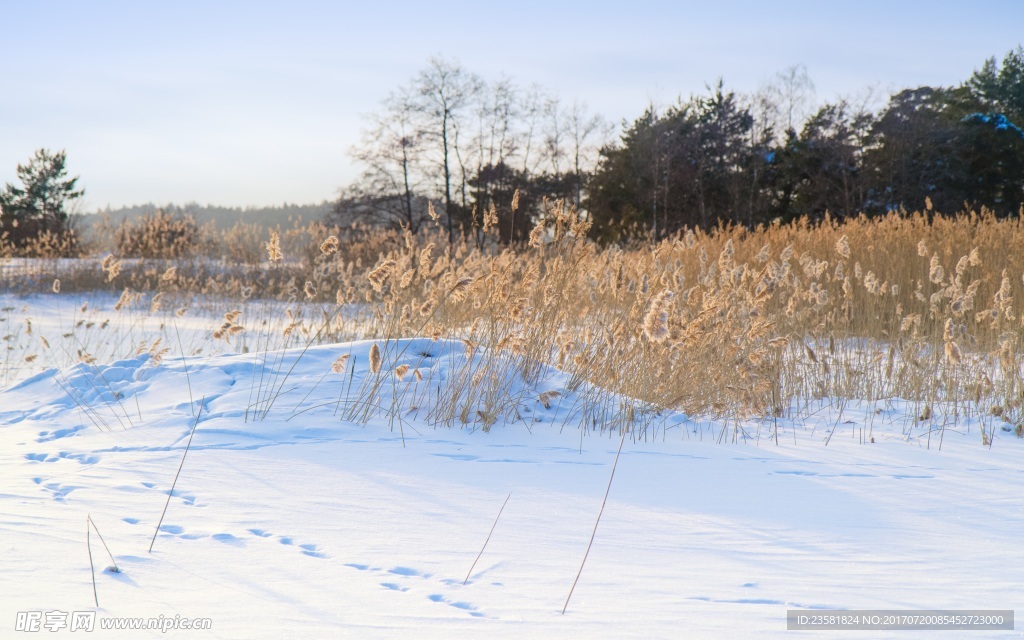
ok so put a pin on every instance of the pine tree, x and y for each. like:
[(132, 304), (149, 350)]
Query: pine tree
[(40, 205)]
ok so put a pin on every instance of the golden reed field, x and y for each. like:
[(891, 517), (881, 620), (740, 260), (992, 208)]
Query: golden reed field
[(731, 323)]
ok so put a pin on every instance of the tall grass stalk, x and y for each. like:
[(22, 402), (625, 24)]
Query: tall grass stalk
[(170, 493), (604, 501), (92, 567), (489, 534)]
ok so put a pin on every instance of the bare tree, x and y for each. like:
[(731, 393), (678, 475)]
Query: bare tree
[(496, 139), (583, 131), (792, 93), (531, 111), (391, 150), (445, 91), (498, 111), (554, 135)]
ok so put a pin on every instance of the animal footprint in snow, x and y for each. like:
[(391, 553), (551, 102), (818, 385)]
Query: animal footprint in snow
[(179, 532), (465, 606), (81, 458), (407, 572), (312, 550), (229, 539), (359, 567), (185, 498), (56, 490), (308, 549)]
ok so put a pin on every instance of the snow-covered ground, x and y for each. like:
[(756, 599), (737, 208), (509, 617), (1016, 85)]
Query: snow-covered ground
[(302, 523)]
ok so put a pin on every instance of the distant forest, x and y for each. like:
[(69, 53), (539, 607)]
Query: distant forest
[(221, 217)]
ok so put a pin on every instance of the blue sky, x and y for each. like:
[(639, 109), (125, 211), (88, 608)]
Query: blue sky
[(254, 103)]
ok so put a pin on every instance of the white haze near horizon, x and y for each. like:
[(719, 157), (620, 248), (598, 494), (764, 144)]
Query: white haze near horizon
[(257, 104)]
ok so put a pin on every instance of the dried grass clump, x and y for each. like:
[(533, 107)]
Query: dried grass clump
[(159, 236)]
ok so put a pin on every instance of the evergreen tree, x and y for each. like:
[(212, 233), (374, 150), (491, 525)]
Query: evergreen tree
[(821, 169), (699, 163), (40, 204), (992, 109)]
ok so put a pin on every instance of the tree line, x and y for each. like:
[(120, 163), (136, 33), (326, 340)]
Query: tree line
[(450, 144), (477, 155)]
